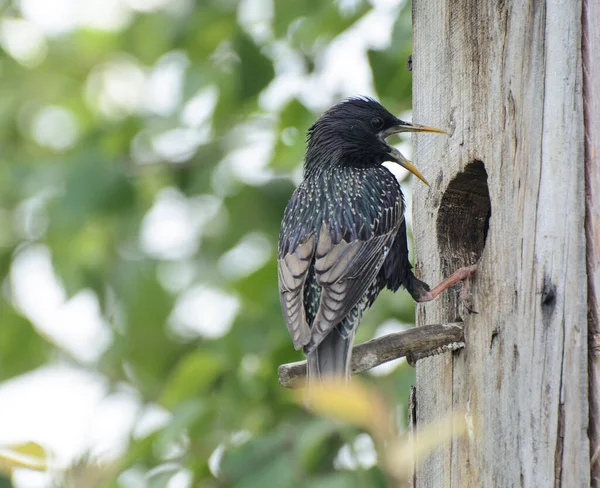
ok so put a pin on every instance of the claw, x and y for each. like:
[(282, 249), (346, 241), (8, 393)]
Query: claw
[(466, 298)]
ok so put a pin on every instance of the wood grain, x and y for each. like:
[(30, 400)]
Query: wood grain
[(505, 78)]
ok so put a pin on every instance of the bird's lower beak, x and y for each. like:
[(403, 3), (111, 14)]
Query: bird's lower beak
[(405, 163), (397, 155)]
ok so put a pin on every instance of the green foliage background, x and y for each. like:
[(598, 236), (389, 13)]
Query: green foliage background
[(95, 196)]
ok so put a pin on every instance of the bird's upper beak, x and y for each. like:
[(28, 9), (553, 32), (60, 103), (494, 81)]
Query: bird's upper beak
[(397, 155)]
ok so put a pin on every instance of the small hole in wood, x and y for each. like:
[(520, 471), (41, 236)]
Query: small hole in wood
[(494, 338), (463, 218)]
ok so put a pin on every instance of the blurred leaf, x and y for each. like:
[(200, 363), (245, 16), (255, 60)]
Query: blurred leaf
[(31, 449), (144, 344), (241, 71), (309, 21), (150, 37), (256, 70), (287, 12), (393, 81), (184, 415), (86, 220), (29, 455), (337, 480), (205, 29), (318, 445), (193, 374), (294, 121), (353, 403), (97, 189), (161, 478), (259, 462), (92, 188), (21, 348), (278, 472), (400, 454)]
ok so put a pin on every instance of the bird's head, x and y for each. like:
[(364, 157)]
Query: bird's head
[(354, 132)]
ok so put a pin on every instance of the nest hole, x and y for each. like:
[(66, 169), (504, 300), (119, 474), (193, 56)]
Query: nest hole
[(464, 217)]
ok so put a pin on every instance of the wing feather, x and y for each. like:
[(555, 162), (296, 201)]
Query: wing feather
[(345, 271), (292, 272)]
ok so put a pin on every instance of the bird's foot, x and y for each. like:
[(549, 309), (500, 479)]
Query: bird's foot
[(460, 274)]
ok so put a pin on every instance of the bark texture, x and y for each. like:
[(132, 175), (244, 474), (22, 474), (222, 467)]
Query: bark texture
[(508, 189)]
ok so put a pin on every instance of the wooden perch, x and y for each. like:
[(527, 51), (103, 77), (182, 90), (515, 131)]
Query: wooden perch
[(417, 342)]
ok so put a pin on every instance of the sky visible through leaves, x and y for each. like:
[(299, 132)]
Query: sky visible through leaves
[(147, 151)]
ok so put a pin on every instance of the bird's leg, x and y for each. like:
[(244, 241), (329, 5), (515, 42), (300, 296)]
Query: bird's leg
[(459, 275)]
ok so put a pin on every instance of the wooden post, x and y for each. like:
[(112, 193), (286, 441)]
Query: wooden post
[(505, 78)]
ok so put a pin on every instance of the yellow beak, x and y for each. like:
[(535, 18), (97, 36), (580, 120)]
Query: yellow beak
[(397, 155)]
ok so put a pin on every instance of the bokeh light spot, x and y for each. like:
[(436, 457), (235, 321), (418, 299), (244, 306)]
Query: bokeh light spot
[(55, 128)]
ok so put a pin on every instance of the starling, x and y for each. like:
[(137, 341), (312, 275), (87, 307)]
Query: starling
[(343, 234)]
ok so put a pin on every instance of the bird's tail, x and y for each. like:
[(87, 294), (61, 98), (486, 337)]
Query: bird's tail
[(330, 360)]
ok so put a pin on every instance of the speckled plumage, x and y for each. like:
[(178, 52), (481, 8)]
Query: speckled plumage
[(343, 235)]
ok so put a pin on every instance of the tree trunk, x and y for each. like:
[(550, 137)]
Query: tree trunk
[(507, 188)]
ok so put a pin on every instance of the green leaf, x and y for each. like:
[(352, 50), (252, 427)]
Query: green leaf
[(307, 22), (184, 416), (143, 341), (29, 455), (160, 478), (256, 460), (192, 376), (294, 121), (393, 81), (338, 480), (93, 187), (255, 69), (21, 347), (150, 37), (318, 445), (278, 472)]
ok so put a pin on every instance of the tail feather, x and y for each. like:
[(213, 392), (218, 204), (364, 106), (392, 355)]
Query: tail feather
[(330, 360)]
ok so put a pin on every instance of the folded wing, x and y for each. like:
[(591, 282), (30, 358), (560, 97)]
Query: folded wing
[(345, 271)]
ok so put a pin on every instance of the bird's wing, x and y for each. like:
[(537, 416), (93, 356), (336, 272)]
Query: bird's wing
[(345, 271), (292, 272)]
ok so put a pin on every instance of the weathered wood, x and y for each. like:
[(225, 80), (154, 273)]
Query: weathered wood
[(413, 357), (590, 45), (383, 349), (412, 426), (505, 78)]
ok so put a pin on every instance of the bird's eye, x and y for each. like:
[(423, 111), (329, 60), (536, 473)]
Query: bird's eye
[(377, 123)]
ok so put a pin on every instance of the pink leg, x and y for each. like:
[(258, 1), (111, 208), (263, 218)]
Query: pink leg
[(459, 275)]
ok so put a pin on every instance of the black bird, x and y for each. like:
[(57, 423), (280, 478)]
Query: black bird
[(343, 234)]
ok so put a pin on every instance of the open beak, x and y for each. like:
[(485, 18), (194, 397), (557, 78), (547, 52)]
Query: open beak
[(397, 155)]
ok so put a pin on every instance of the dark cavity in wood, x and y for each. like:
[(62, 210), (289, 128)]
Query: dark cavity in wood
[(463, 218)]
